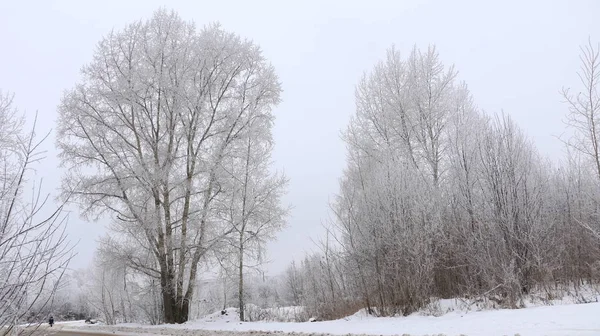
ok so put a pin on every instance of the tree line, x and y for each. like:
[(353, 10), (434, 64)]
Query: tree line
[(442, 200)]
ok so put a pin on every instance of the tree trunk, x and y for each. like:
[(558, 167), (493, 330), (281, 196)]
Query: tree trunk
[(175, 311), (241, 280), (183, 311), (224, 293), (168, 305)]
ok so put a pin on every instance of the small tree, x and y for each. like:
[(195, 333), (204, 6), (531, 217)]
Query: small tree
[(34, 252), (253, 206), (584, 114)]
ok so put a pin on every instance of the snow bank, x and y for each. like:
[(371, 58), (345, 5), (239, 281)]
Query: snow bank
[(546, 313), (277, 314), (584, 294), (76, 323), (255, 313), (224, 316), (573, 319)]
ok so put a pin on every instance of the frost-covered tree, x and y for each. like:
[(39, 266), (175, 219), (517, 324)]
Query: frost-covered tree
[(34, 252), (583, 117), (584, 107), (145, 136), (390, 209), (111, 291), (252, 203), (439, 199)]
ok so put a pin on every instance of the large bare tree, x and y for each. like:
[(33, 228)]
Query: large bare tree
[(145, 134)]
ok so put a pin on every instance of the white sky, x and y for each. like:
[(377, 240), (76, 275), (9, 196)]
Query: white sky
[(514, 55)]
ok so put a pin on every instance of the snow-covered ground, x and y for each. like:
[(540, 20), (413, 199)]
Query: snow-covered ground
[(569, 319), (58, 323)]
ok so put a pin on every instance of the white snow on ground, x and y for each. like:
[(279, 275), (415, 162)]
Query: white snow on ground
[(571, 319), (63, 323), (70, 323)]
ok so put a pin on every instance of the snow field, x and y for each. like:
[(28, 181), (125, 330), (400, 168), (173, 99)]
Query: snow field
[(558, 320)]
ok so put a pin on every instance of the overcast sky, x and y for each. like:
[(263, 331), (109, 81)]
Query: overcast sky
[(514, 55)]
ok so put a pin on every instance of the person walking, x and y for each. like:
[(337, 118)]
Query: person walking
[(51, 321)]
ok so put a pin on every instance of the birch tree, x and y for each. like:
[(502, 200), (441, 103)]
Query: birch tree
[(583, 115), (584, 107), (253, 201), (145, 134)]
